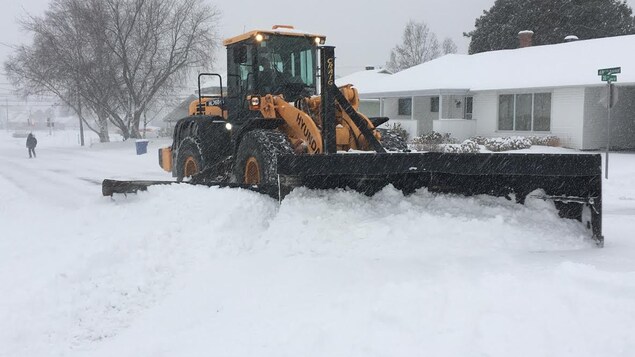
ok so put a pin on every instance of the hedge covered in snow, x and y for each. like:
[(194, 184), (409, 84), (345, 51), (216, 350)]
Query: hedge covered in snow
[(438, 142), (515, 142), (431, 141), (468, 146)]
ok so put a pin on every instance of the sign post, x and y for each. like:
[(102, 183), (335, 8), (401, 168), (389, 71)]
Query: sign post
[(609, 76)]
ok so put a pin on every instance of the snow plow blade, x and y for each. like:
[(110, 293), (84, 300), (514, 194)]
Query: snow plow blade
[(572, 181), (110, 187)]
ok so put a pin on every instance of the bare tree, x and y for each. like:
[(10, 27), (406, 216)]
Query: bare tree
[(114, 56), (448, 46), (56, 62), (418, 45), (155, 42)]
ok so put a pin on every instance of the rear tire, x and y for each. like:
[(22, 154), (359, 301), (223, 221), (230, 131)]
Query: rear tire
[(189, 158), (392, 141), (257, 157)]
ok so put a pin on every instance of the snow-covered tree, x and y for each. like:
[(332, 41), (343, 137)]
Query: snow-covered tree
[(448, 46), (550, 20), (418, 45), (113, 57)]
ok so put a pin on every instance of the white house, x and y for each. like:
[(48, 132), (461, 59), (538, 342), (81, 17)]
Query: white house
[(362, 81), (541, 90)]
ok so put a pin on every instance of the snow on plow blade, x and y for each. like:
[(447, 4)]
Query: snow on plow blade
[(572, 181)]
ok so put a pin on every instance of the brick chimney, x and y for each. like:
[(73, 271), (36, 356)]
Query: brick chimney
[(525, 38)]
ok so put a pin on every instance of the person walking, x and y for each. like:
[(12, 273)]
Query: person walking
[(31, 143)]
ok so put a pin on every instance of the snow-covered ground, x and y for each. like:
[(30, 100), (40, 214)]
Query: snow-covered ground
[(197, 271)]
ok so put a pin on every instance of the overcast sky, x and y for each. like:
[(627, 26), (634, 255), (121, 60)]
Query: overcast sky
[(364, 32)]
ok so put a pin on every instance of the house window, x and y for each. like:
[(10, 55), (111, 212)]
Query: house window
[(542, 111), (469, 102), (405, 106), (524, 112), (506, 112), (434, 104)]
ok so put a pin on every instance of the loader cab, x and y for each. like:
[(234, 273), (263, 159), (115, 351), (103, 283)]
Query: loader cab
[(279, 62)]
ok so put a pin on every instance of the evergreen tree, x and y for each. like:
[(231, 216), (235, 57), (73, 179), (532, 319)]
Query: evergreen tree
[(550, 20)]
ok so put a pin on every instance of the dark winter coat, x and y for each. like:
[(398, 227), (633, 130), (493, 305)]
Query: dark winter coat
[(31, 141)]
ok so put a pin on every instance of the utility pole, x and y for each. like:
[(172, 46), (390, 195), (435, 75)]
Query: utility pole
[(79, 113), (6, 101)]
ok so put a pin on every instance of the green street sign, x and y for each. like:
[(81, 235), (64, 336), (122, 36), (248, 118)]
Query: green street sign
[(607, 71), (609, 78)]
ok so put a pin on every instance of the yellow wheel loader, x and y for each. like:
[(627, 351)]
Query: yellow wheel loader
[(281, 123)]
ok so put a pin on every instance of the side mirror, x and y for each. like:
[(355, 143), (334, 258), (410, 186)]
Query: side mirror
[(240, 54)]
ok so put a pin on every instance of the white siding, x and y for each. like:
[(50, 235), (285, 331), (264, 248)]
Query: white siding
[(421, 120), (369, 107), (567, 115), (391, 110), (423, 115), (460, 129), (411, 126), (391, 107)]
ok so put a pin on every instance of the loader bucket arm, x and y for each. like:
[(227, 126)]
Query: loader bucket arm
[(360, 122)]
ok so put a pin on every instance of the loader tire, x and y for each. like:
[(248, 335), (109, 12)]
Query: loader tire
[(257, 157), (391, 140), (189, 158)]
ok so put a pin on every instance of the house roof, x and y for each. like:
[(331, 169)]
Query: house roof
[(561, 65), (363, 79)]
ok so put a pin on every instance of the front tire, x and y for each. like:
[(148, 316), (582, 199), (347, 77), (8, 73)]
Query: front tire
[(189, 159), (257, 157)]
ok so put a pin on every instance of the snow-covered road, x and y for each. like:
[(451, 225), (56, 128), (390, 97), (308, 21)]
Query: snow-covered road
[(196, 271)]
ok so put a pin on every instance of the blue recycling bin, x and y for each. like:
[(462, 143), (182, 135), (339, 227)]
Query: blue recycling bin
[(142, 146)]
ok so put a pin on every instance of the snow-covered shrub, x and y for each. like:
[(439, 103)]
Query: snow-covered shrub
[(549, 140), (506, 144), (515, 142), (400, 130), (480, 140), (468, 146), (431, 141)]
